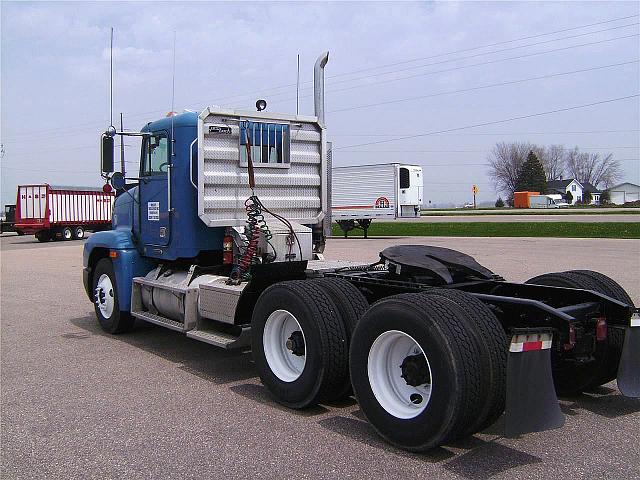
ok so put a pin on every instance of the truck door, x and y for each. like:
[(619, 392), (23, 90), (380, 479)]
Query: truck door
[(155, 219)]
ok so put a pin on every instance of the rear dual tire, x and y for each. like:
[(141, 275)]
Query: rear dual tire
[(420, 372), (299, 344), (300, 333), (571, 378)]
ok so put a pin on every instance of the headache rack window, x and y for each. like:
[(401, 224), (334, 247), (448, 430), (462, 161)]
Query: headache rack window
[(270, 143)]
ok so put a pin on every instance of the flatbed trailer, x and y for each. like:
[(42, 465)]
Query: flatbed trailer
[(222, 240)]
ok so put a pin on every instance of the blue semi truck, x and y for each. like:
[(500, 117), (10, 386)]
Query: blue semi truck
[(221, 237)]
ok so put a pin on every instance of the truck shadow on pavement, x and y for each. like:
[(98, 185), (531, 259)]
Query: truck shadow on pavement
[(200, 359), (478, 459), (603, 401)]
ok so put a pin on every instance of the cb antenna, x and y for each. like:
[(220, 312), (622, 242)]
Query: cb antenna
[(173, 94), (111, 82)]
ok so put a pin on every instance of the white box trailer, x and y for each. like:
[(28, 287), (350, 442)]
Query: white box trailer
[(51, 212), (542, 201), (362, 193)]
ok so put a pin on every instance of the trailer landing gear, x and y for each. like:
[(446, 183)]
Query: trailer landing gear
[(347, 225)]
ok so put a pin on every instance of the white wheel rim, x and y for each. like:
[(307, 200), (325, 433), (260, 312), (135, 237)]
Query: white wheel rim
[(80, 233), (105, 296), (278, 329), (392, 392), (67, 233)]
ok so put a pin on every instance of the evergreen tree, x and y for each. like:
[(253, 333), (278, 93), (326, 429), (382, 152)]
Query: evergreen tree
[(531, 176), (499, 202), (569, 197)]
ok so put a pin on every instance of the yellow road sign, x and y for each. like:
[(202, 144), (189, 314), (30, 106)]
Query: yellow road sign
[(475, 189)]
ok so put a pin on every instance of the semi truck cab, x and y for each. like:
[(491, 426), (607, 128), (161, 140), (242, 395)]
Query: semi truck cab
[(221, 239)]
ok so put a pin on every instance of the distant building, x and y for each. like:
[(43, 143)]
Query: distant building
[(624, 193), (595, 193), (557, 189), (561, 187)]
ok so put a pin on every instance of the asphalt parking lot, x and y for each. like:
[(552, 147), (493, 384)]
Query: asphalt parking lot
[(78, 403)]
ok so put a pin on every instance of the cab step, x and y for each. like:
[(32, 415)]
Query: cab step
[(159, 320), (222, 339)]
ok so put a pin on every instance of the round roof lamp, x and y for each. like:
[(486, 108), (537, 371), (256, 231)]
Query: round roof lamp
[(261, 105)]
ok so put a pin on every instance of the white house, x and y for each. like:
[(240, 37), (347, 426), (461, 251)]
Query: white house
[(558, 189), (623, 193), (561, 187)]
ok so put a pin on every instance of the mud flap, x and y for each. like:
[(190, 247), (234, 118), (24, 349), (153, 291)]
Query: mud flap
[(531, 403), (629, 368)]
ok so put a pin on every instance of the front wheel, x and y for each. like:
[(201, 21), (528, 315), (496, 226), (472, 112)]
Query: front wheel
[(106, 303), (43, 236)]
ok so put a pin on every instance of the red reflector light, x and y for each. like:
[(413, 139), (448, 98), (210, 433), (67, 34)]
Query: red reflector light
[(113, 254), (528, 346), (106, 188), (601, 329), (530, 342), (227, 250), (572, 338)]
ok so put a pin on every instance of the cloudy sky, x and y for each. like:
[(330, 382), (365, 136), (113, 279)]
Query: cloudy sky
[(395, 70)]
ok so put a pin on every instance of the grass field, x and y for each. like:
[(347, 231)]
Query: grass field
[(506, 229), (545, 211)]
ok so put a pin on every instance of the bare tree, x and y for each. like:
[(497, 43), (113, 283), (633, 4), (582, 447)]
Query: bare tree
[(553, 161), (505, 160), (593, 168)]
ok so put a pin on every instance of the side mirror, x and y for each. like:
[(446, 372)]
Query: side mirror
[(106, 154)]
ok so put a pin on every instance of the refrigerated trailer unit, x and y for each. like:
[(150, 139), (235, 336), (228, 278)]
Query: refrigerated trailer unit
[(363, 193), (52, 212)]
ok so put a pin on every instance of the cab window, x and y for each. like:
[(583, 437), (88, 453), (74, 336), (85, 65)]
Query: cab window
[(155, 154)]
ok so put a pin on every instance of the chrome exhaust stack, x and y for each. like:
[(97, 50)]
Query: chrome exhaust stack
[(318, 86)]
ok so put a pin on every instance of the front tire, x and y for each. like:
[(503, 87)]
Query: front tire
[(43, 236), (106, 303), (299, 344)]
